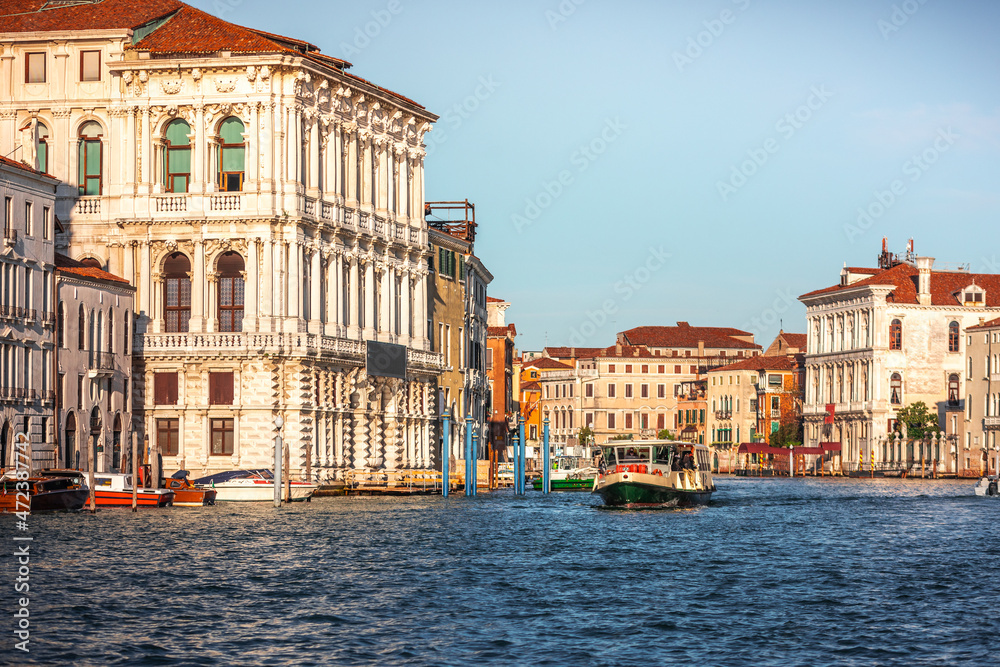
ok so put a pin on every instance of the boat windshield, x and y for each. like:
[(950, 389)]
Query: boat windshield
[(633, 454), (665, 455)]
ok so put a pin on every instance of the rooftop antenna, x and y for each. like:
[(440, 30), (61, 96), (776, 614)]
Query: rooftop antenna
[(16, 149)]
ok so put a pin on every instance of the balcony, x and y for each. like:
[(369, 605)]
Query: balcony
[(48, 319), (991, 423), (88, 206), (100, 364), (723, 414), (9, 236)]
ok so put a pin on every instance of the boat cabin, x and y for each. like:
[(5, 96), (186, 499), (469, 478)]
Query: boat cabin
[(648, 456), (113, 482)]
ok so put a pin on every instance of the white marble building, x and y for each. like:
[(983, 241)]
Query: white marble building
[(266, 204), (885, 338)]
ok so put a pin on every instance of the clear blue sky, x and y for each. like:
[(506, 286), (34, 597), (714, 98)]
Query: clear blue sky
[(730, 144)]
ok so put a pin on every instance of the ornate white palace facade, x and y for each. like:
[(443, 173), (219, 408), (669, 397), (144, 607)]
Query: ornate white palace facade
[(885, 338), (268, 208)]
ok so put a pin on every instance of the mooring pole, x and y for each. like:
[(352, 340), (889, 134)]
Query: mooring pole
[(475, 463), (468, 461), (288, 476), (545, 455), (522, 458), (445, 451), (278, 421), (517, 463), (135, 471)]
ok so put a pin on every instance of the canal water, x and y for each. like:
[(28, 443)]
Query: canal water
[(773, 572)]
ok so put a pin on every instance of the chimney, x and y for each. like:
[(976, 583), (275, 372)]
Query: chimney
[(572, 353), (701, 348), (618, 348), (924, 265)]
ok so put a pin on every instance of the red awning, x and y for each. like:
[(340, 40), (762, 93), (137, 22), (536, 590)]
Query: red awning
[(761, 448), (809, 450), (830, 446)]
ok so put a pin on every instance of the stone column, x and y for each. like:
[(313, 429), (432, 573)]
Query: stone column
[(314, 143), (315, 284), (213, 302), (198, 288), (387, 302), (130, 139), (266, 316), (354, 331), (250, 297), (404, 328), (371, 325), (251, 179), (198, 159), (145, 167), (294, 285), (157, 302)]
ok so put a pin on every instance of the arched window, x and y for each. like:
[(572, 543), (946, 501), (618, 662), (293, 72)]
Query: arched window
[(42, 148), (111, 330), (953, 337), (69, 442), (896, 335), (953, 390), (61, 325), (232, 151), (81, 323), (92, 262), (90, 159), (230, 269), (896, 389), (125, 335), (177, 292), (177, 161)]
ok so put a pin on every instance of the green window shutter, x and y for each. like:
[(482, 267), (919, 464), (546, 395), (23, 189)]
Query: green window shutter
[(461, 267)]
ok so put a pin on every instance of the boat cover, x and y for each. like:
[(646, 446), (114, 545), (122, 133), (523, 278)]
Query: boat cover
[(221, 477)]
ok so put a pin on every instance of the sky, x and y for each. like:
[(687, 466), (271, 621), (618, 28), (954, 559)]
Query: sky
[(643, 163)]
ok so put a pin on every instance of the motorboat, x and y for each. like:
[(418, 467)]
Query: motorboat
[(187, 494), (654, 473), (987, 486), (568, 475), (251, 486), (114, 489), (42, 494)]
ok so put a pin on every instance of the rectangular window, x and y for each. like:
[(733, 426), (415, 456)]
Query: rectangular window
[(611, 391), (677, 370), (79, 392), (611, 368), (611, 420), (660, 421), (34, 68), (661, 391), (628, 368), (168, 436), (628, 391), (628, 420), (46, 223), (590, 391), (220, 388), (532, 432), (90, 66), (644, 391), (489, 359), (221, 436), (165, 388), (694, 370), (645, 369), (661, 369), (29, 219), (588, 419)]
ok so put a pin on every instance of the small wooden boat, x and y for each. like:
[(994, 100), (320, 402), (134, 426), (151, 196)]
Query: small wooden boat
[(251, 486), (187, 494), (42, 494), (654, 473), (987, 486), (114, 489)]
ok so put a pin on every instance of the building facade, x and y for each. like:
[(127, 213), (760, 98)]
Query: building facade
[(95, 319), (978, 452), (27, 312), (885, 338), (500, 376), (268, 207)]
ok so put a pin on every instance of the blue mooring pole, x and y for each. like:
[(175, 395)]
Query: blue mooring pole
[(445, 451), (545, 455), (475, 463), (468, 458), (521, 456)]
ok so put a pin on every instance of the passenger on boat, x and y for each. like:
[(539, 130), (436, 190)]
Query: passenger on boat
[(687, 461)]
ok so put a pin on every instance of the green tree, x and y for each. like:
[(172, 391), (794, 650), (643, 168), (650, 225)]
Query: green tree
[(788, 434), (665, 434), (585, 436), (918, 421), (623, 436)]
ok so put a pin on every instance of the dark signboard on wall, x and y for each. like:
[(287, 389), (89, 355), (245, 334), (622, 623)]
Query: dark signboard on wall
[(385, 359)]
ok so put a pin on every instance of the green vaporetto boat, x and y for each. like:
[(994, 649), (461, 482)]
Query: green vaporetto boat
[(654, 473), (568, 474)]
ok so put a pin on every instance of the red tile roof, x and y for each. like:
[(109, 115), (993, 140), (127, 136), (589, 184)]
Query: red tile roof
[(758, 363), (65, 264), (796, 340), (945, 285), (547, 364), (531, 386), (6, 161), (574, 352), (626, 351), (501, 331), (985, 325), (35, 16), (493, 299), (685, 335)]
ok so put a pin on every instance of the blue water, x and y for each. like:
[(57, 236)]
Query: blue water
[(773, 572)]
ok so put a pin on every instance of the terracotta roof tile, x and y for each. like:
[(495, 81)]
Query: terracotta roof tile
[(985, 325), (758, 363), (501, 331), (493, 299), (685, 335), (544, 363), (944, 287), (65, 264), (626, 351), (34, 16), (574, 352), (6, 161)]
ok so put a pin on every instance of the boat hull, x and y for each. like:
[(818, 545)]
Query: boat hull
[(565, 484), (228, 492), (683, 489), (56, 500), (144, 498)]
